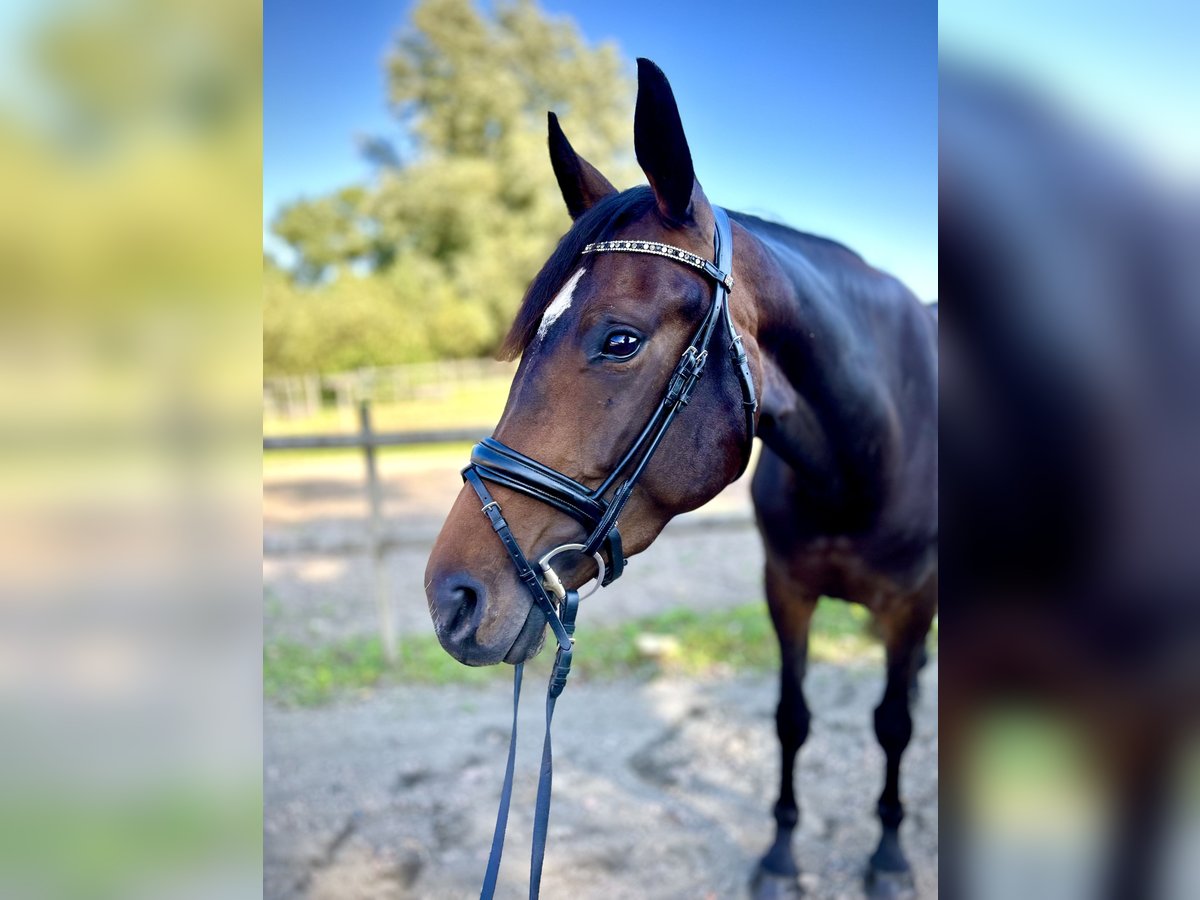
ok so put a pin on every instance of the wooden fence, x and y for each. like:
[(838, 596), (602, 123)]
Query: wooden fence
[(368, 440)]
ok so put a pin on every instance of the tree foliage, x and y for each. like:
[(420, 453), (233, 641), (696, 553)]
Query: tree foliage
[(430, 257)]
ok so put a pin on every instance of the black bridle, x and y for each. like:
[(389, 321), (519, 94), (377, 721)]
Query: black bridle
[(597, 509)]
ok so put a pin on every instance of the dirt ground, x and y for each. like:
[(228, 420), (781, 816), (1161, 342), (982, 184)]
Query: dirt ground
[(663, 789)]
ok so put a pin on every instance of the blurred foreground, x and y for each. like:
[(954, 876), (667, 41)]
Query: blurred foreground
[(129, 381), (1071, 476)]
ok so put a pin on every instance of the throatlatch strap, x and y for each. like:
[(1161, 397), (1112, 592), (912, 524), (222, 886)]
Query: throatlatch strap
[(541, 816)]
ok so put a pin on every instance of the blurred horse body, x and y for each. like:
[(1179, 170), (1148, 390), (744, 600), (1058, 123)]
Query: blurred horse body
[(1071, 411)]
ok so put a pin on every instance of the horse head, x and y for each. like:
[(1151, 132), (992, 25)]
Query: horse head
[(601, 337)]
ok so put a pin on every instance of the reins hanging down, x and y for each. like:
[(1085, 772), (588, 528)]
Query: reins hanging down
[(596, 510)]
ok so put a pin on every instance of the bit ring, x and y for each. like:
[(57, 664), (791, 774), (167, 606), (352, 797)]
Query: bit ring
[(550, 577)]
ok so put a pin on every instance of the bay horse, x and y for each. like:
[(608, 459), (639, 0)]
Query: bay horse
[(844, 360)]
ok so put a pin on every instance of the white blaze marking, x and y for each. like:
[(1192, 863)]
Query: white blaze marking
[(560, 304)]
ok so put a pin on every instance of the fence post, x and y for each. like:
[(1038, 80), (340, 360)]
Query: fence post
[(379, 580), (312, 395), (289, 393)]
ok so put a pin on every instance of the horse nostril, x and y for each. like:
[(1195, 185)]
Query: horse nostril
[(458, 599), (465, 598)]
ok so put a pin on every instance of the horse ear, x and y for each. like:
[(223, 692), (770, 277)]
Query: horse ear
[(661, 146), (581, 183)]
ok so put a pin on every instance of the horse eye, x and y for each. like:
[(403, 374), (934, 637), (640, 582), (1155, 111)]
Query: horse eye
[(621, 344)]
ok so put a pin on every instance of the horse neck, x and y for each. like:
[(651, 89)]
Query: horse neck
[(824, 405)]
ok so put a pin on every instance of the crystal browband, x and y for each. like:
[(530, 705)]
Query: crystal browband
[(667, 250)]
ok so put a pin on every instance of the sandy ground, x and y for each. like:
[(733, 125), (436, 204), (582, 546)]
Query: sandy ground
[(663, 788)]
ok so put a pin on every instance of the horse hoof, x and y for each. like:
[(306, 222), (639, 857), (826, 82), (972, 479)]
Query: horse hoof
[(767, 885), (890, 885)]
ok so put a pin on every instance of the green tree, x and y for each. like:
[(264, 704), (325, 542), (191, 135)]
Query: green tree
[(438, 247)]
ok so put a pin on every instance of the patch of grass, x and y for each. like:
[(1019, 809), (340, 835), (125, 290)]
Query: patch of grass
[(473, 403), (841, 632), (441, 406), (297, 674), (691, 642), (679, 641)]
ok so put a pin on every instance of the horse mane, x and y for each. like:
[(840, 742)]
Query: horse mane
[(808, 244), (599, 223)]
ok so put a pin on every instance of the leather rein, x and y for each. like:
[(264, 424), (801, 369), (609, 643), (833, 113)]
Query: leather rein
[(597, 510)]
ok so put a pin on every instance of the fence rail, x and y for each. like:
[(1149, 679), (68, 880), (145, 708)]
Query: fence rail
[(374, 439)]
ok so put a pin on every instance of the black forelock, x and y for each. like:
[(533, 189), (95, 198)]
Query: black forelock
[(599, 223)]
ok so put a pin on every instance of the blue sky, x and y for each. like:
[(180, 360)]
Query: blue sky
[(819, 114)]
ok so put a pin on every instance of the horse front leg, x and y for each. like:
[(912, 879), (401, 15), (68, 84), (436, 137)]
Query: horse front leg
[(905, 628), (791, 606)]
